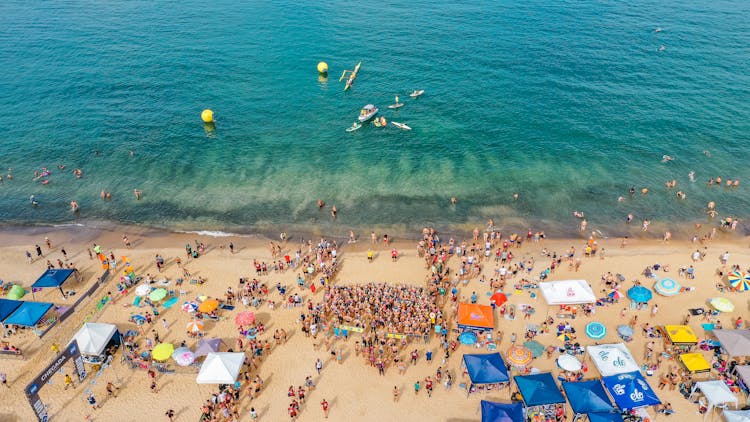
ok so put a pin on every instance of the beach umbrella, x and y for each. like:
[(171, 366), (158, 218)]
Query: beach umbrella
[(519, 356), (206, 346), (499, 298), (16, 292), (244, 318), (739, 281), (189, 306), (640, 294), (194, 326), (567, 362), (564, 337), (722, 304), (596, 330), (183, 356), (616, 294), (143, 289), (158, 294), (162, 351), (467, 337), (536, 348), (625, 330), (667, 287), (208, 305)]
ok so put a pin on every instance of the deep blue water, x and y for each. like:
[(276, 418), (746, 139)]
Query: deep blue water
[(568, 103)]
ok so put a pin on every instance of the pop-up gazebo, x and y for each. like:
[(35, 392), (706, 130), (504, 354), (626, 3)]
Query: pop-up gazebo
[(567, 292), (587, 397), (630, 390), (501, 412), (221, 368), (735, 342), (612, 359), (539, 393), (486, 368), (7, 306), (475, 317), (53, 277), (716, 393), (94, 337), (28, 314)]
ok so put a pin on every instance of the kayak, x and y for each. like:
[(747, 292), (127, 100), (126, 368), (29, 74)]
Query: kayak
[(397, 105), (401, 125), (353, 127), (416, 93)]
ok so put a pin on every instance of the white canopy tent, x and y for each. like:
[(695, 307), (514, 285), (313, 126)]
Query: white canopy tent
[(717, 393), (567, 292), (220, 368), (93, 337), (735, 342), (737, 415), (743, 371), (612, 359)]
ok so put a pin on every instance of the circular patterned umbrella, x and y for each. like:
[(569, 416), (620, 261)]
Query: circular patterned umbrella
[(467, 337), (208, 305), (519, 356), (722, 304), (158, 295), (596, 330), (640, 294), (244, 318), (194, 326), (569, 363), (625, 330), (667, 287), (183, 356), (739, 281), (189, 306), (616, 294), (162, 351), (499, 298), (143, 290)]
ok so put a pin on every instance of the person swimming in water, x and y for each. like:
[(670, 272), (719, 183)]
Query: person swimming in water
[(666, 158), (691, 175), (321, 203), (33, 201), (74, 206), (137, 193)]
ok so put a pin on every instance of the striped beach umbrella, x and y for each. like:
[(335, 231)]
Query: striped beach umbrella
[(519, 356), (616, 294), (190, 306), (667, 287), (739, 281), (596, 330), (194, 326), (722, 304)]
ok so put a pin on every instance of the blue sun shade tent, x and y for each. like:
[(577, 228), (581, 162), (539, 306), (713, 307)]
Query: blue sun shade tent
[(7, 307), (53, 278), (486, 368), (587, 397), (28, 314), (538, 389), (630, 390), (501, 412), (605, 417)]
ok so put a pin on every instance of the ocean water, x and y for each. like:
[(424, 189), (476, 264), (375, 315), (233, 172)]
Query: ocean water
[(568, 103)]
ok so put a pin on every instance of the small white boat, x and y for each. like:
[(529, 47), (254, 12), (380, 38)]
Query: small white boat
[(397, 105), (403, 126), (416, 93), (368, 112), (354, 127)]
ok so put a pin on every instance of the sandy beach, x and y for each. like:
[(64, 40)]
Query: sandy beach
[(353, 389)]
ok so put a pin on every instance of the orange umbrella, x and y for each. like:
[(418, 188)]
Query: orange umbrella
[(208, 305), (195, 326)]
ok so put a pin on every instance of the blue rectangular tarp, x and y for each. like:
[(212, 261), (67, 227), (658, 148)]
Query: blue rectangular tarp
[(54, 277), (7, 307), (28, 314)]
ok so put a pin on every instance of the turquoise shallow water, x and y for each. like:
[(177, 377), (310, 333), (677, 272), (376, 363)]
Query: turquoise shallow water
[(568, 103)]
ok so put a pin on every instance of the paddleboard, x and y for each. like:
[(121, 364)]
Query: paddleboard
[(353, 128), (397, 105), (416, 93), (401, 125)]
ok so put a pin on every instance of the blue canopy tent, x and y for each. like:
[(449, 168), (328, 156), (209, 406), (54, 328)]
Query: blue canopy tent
[(587, 397), (28, 314), (501, 412), (538, 389), (7, 307), (54, 277), (488, 368), (605, 417), (630, 390)]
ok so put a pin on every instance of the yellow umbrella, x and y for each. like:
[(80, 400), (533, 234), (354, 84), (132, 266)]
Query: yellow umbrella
[(208, 305), (195, 326), (722, 304), (162, 351)]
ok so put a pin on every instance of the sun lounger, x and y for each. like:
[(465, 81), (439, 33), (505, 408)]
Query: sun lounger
[(169, 303), (137, 302)]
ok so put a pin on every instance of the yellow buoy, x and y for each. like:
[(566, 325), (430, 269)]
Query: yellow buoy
[(207, 116), (323, 67)]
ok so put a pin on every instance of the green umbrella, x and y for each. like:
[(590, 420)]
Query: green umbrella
[(16, 292), (158, 295)]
